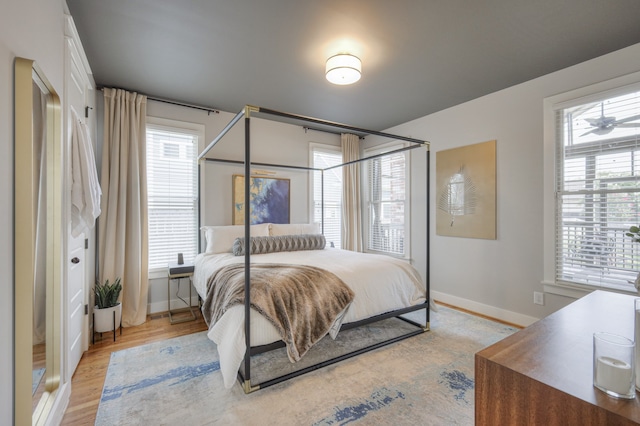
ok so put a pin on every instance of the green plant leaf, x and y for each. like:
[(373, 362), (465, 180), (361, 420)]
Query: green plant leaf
[(107, 294)]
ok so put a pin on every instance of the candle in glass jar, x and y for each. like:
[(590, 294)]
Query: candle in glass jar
[(614, 375)]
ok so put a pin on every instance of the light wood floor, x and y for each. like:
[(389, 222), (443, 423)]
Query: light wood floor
[(88, 380), (39, 361)]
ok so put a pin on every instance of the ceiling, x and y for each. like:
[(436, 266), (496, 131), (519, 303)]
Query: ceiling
[(418, 56)]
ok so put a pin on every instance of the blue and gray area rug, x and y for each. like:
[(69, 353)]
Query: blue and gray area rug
[(36, 378), (426, 379)]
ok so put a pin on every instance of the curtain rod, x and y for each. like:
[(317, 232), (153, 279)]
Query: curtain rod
[(173, 102)]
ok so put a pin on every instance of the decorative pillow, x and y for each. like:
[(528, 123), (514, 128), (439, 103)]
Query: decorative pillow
[(294, 228), (219, 239), (260, 245)]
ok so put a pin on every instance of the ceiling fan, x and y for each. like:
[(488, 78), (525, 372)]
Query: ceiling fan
[(603, 125)]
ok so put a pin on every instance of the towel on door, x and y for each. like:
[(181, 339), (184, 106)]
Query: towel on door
[(85, 188)]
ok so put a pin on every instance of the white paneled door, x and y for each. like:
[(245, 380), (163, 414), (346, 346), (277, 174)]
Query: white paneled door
[(75, 301), (78, 267)]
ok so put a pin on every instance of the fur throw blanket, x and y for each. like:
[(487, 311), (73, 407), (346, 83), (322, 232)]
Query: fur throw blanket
[(302, 302)]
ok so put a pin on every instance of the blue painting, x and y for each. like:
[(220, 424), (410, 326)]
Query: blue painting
[(269, 200)]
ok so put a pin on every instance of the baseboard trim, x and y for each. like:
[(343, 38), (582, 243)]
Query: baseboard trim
[(470, 305), (154, 308), (59, 405), (486, 310)]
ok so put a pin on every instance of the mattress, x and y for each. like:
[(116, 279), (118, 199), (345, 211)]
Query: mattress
[(380, 283)]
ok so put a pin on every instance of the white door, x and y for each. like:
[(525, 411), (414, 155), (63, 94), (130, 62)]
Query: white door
[(75, 301), (78, 268)]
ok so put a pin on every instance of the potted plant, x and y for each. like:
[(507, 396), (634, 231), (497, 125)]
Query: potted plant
[(106, 298), (634, 234)]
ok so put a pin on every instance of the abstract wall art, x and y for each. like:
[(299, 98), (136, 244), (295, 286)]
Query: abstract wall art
[(466, 191), (269, 200)]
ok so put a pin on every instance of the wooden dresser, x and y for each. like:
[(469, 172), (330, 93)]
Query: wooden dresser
[(543, 374)]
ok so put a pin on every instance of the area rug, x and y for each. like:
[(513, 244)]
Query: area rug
[(36, 377), (425, 379)]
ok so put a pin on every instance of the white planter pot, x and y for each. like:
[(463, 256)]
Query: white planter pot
[(103, 318)]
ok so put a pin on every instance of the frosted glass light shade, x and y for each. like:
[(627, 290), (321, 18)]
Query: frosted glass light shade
[(343, 69)]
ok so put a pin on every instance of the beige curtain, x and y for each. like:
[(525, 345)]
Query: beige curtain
[(123, 233), (351, 202)]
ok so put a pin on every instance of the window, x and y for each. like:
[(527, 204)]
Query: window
[(172, 173), (388, 206), (323, 157), (597, 188)]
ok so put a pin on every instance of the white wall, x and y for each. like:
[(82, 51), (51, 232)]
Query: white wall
[(498, 277), (32, 29)]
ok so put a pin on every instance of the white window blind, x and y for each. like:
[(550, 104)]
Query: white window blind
[(172, 194), (387, 191), (598, 168), (323, 158)]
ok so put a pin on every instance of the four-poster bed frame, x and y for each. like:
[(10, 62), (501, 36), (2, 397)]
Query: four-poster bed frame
[(244, 376)]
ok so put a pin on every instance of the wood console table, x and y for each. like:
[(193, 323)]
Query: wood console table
[(543, 374)]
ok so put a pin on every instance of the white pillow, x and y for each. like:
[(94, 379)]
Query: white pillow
[(219, 239), (294, 228)]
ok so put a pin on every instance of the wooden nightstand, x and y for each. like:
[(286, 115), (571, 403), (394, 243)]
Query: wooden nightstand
[(177, 272)]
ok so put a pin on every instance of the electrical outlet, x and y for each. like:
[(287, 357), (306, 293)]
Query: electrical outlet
[(538, 298)]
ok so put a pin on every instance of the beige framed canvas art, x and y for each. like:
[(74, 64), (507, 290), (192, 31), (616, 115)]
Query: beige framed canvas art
[(466, 191)]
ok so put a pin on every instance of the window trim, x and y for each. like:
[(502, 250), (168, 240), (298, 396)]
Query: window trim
[(320, 147), (189, 128), (595, 92), (378, 149)]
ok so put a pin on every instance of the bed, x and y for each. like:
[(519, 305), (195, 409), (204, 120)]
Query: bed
[(364, 288), (380, 284)]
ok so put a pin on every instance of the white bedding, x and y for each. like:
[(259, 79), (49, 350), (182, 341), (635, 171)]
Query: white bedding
[(380, 283)]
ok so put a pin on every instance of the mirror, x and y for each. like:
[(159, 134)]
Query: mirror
[(37, 242)]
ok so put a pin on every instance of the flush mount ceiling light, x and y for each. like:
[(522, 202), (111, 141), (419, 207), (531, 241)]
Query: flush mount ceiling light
[(343, 69)]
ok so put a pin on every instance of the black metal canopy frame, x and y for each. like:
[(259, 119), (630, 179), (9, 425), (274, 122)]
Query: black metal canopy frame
[(247, 112)]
